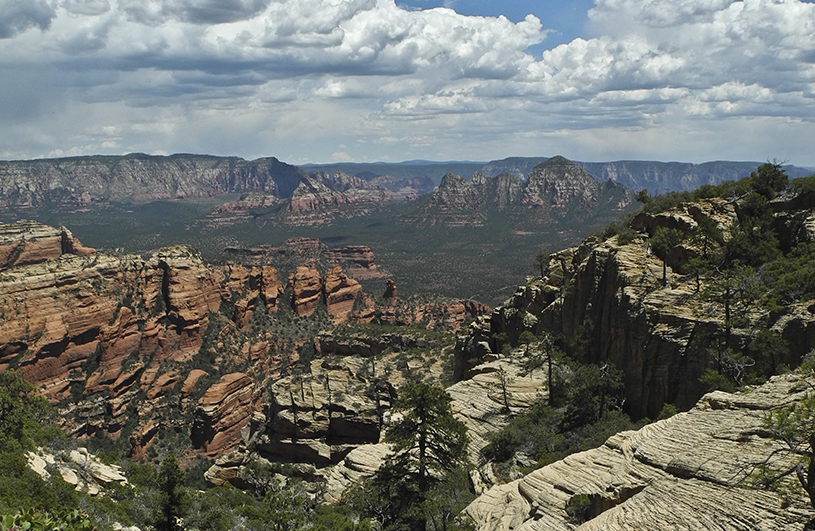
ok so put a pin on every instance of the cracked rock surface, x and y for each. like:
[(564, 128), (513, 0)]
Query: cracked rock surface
[(690, 471)]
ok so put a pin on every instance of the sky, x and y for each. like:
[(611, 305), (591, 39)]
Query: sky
[(392, 80)]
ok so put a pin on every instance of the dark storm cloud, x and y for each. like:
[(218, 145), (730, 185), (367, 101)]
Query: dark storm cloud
[(155, 12), (16, 16)]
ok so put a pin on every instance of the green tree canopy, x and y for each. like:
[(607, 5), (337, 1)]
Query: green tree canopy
[(426, 436), (541, 259), (429, 444), (173, 494), (662, 242), (22, 410), (769, 179)]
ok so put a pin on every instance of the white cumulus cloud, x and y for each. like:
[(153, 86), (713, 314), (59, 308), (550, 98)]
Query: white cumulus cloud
[(359, 71)]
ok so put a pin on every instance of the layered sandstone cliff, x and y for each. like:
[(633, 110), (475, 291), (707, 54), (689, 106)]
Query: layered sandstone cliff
[(691, 471), (607, 301), (332, 420), (556, 189), (119, 342), (322, 198), (78, 181), (29, 242)]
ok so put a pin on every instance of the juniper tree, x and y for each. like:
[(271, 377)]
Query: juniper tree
[(541, 259), (663, 242), (429, 443)]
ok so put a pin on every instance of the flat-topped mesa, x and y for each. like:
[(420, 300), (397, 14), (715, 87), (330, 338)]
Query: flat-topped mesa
[(138, 177), (360, 255), (29, 242)]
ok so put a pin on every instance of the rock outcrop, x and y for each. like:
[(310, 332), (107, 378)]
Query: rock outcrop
[(556, 188), (96, 332), (434, 315), (29, 242), (691, 471), (78, 181), (360, 260), (332, 420), (341, 293), (84, 471), (357, 260), (321, 199), (607, 301), (307, 289), (244, 209), (222, 412), (560, 186)]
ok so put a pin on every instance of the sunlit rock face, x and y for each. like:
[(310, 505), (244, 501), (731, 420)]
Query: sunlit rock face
[(555, 190), (687, 472)]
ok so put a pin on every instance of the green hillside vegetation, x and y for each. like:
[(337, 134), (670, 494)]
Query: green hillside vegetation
[(163, 497), (583, 410), (748, 279), (483, 263)]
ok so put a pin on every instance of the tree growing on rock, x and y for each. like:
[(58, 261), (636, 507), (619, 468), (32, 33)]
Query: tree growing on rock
[(541, 259), (662, 242), (427, 438), (548, 353), (769, 179), (795, 426), (429, 444)]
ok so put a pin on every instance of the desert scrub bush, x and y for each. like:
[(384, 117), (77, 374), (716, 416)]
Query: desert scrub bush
[(578, 508)]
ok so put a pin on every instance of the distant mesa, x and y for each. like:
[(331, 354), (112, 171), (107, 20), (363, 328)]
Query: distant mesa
[(358, 260), (555, 189)]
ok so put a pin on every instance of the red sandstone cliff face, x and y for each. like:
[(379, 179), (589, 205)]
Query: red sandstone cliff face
[(360, 259), (434, 315), (223, 411), (29, 242), (320, 199), (135, 347), (103, 330), (69, 312), (337, 289), (341, 292), (307, 288)]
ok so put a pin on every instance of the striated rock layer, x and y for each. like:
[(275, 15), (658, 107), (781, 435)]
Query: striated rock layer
[(556, 189), (607, 302), (29, 242), (687, 472), (97, 332), (79, 181)]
